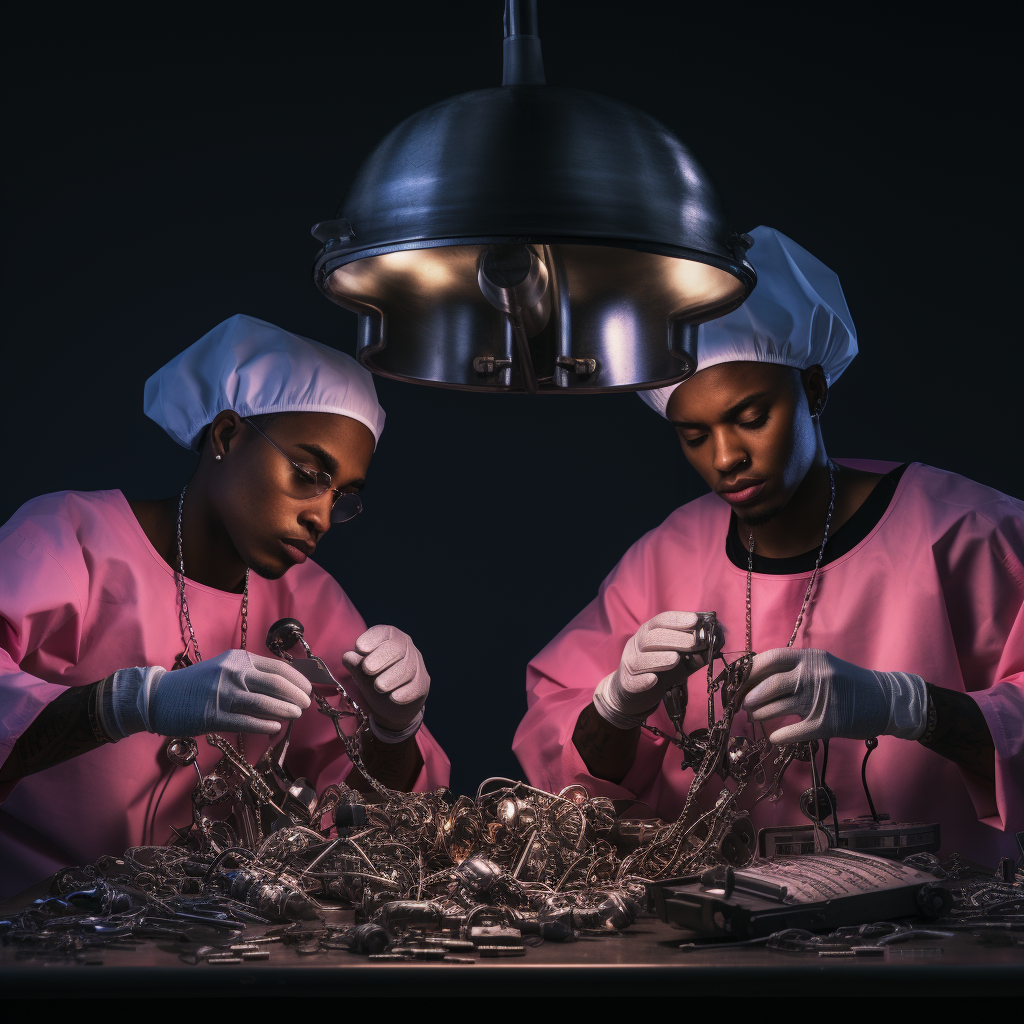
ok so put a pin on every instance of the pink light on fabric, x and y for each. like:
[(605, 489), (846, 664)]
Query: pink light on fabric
[(936, 589), (84, 594)]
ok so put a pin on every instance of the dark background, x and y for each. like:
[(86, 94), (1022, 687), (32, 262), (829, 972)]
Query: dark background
[(166, 172)]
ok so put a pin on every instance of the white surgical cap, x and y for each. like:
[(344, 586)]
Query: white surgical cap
[(796, 316), (255, 368)]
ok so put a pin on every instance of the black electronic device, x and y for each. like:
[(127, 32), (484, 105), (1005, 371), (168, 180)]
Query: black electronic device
[(821, 891), (884, 838)]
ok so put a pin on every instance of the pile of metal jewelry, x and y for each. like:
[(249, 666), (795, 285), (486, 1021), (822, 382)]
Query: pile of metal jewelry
[(431, 876)]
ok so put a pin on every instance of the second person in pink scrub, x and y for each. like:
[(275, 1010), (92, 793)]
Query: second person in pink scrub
[(884, 599)]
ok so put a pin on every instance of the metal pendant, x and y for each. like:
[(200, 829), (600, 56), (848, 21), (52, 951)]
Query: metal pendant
[(182, 751), (182, 661)]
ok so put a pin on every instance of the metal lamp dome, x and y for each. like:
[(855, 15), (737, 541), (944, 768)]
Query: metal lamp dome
[(531, 238)]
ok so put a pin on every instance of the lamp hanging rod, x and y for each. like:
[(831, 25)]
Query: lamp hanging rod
[(523, 62)]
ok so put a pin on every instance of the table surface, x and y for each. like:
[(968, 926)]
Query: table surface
[(645, 958)]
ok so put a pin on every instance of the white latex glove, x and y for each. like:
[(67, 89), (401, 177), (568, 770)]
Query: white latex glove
[(662, 652), (234, 692), (391, 682), (833, 697)]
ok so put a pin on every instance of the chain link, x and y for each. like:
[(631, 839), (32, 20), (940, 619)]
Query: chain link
[(814, 575), (184, 619)]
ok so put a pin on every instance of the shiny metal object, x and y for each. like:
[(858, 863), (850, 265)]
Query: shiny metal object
[(182, 751), (531, 238)]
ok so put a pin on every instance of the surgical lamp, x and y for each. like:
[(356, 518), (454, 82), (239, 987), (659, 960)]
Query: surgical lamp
[(532, 239)]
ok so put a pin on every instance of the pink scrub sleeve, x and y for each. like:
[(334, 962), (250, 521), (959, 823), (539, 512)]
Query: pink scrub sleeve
[(332, 624), (82, 594), (981, 563), (561, 680), (40, 624)]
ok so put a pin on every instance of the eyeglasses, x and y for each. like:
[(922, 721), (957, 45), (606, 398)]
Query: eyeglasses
[(310, 483)]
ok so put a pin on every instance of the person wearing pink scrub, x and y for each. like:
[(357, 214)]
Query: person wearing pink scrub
[(126, 622), (884, 600)]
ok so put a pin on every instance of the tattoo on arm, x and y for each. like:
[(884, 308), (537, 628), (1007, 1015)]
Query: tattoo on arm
[(396, 765), (607, 751), (961, 733), (64, 729)]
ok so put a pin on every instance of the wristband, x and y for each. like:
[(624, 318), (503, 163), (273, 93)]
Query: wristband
[(611, 714), (95, 707), (123, 707), (908, 707), (392, 735), (933, 721)]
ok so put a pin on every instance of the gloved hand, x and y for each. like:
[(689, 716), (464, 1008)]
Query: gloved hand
[(234, 692), (391, 682), (663, 652), (833, 697)]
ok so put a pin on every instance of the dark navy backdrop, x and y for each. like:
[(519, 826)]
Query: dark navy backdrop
[(166, 172)]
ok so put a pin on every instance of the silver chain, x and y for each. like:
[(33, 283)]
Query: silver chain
[(814, 575), (183, 617)]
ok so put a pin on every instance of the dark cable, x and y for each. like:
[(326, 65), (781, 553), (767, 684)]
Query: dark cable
[(233, 851), (870, 744), (831, 795), (156, 806), (818, 788)]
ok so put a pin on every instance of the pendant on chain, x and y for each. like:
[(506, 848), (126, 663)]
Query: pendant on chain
[(182, 661)]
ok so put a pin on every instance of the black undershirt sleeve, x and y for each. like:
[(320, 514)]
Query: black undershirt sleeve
[(66, 727), (957, 731)]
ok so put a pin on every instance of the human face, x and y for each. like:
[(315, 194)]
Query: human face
[(252, 486), (746, 427)]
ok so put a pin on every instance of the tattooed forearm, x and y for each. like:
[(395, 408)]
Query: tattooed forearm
[(961, 733), (62, 730), (607, 751), (396, 765)]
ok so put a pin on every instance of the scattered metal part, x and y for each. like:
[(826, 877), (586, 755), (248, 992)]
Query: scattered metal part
[(431, 874)]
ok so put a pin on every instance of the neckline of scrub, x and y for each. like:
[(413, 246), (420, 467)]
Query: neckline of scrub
[(126, 510), (907, 470)]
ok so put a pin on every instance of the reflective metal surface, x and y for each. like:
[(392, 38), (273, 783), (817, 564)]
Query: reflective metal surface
[(627, 241), (615, 318)]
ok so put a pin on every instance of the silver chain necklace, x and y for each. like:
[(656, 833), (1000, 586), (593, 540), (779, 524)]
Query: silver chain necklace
[(814, 575), (183, 660)]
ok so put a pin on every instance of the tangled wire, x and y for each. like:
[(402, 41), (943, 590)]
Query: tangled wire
[(430, 875)]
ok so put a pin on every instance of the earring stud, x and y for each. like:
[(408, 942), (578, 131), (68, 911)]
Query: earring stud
[(217, 457)]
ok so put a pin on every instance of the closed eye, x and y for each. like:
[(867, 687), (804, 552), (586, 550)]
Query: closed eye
[(755, 423), (693, 441)]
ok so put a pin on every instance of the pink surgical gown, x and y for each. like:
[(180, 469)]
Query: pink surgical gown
[(84, 593), (935, 588)]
